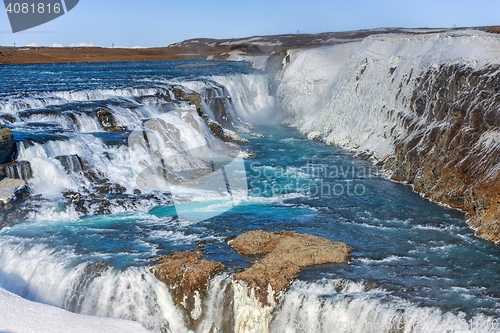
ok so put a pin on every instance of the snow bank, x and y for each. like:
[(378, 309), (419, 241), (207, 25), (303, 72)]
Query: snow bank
[(18, 315)]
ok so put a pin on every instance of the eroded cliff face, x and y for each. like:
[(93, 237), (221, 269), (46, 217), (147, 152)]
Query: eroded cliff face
[(427, 108), (456, 160), (187, 277)]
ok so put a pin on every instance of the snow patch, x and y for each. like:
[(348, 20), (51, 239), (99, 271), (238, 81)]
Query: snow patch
[(19, 315)]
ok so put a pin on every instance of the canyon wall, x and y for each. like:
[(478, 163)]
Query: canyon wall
[(426, 107)]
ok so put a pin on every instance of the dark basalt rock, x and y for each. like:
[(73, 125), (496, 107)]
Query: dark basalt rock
[(75, 164), (32, 112), (76, 200), (13, 212), (8, 118), (8, 147), (71, 163), (225, 135), (108, 122), (109, 188), (91, 202), (16, 170), (220, 107), (13, 208), (220, 103), (186, 275)]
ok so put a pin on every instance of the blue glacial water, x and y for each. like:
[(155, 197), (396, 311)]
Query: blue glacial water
[(412, 259)]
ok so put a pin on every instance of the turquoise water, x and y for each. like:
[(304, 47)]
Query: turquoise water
[(411, 247), (405, 247)]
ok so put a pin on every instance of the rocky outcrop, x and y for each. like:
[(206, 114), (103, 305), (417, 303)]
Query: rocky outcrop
[(12, 192), (456, 160), (78, 165), (8, 148), (253, 294), (285, 254), (193, 98), (108, 122), (222, 133), (187, 276), (98, 199), (219, 102), (9, 188)]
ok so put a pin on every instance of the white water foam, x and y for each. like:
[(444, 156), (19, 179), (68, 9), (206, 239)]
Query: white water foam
[(251, 97), (340, 306), (174, 139), (217, 313), (39, 273), (250, 315)]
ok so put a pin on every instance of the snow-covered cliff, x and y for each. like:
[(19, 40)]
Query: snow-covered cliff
[(426, 106)]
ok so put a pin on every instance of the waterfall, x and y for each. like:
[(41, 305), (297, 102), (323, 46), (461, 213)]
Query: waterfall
[(251, 97), (423, 106), (99, 151), (51, 277), (89, 141), (347, 306)]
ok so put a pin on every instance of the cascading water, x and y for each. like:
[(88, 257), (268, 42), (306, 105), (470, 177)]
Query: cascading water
[(89, 288), (131, 140), (95, 128), (250, 97), (94, 146)]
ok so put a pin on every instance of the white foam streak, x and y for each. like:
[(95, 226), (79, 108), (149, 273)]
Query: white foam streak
[(216, 315)]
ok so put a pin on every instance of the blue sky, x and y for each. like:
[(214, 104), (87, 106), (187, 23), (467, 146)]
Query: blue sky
[(162, 22)]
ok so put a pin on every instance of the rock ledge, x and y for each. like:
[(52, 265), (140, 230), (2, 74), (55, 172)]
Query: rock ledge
[(187, 277), (9, 188), (286, 253)]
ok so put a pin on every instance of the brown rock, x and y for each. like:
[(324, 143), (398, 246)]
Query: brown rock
[(108, 122), (186, 273), (192, 98), (116, 129), (286, 253), (258, 242), (456, 161), (225, 135)]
